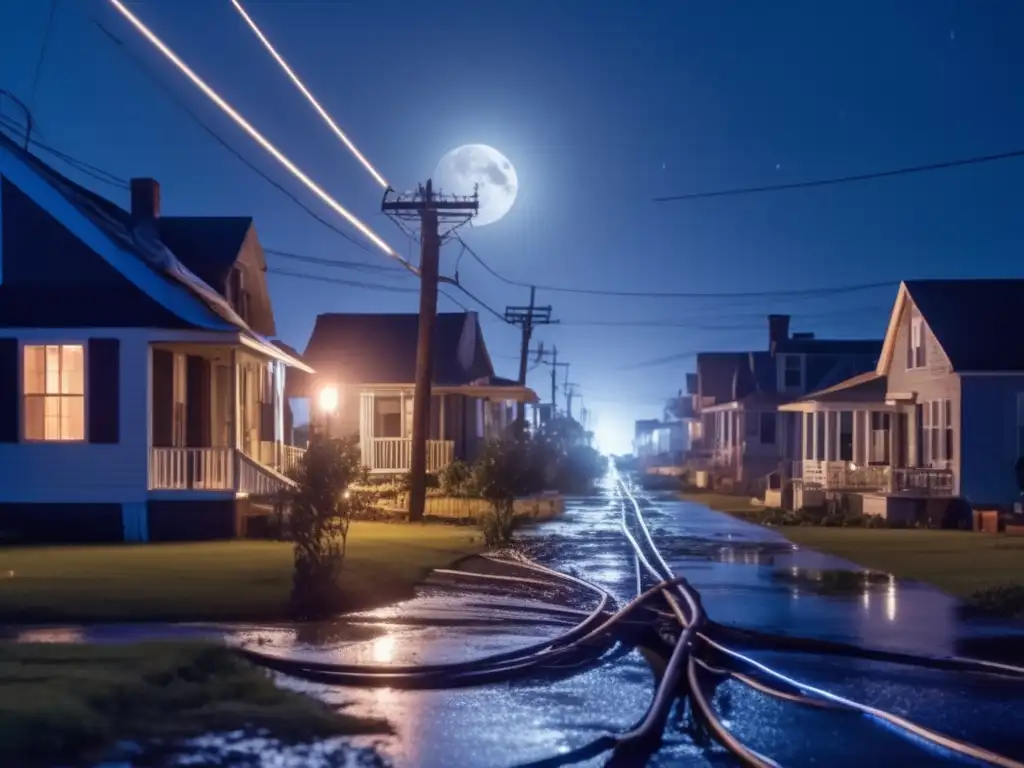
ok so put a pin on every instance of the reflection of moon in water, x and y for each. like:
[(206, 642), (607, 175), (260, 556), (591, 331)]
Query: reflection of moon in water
[(485, 166)]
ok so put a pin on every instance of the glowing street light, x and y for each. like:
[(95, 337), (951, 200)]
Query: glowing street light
[(328, 399)]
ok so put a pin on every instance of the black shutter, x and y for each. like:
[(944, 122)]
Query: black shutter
[(104, 390), (163, 398), (197, 410), (10, 392)]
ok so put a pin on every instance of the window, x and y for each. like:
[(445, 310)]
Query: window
[(915, 350), (768, 428), (846, 436), (54, 390), (879, 449), (751, 425), (808, 436), (792, 372), (937, 429), (819, 436)]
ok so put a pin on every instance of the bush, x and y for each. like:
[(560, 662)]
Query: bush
[(457, 479), (505, 469), (1006, 600), (321, 509)]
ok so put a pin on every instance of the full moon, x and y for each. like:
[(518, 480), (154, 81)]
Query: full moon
[(486, 167)]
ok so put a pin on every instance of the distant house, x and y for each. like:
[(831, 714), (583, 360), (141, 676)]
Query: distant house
[(743, 435), (370, 359), (946, 402), (139, 396)]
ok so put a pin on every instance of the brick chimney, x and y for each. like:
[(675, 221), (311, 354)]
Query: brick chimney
[(145, 199), (778, 331)]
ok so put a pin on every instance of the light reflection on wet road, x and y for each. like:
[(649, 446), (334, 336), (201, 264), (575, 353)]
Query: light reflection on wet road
[(748, 576)]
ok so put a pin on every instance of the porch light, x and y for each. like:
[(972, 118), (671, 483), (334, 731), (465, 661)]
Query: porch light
[(328, 399)]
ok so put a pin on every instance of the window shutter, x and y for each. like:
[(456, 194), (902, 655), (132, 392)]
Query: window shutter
[(10, 391), (104, 390), (162, 403)]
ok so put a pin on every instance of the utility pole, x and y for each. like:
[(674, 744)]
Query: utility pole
[(570, 393), (526, 318), (429, 209), (550, 357)]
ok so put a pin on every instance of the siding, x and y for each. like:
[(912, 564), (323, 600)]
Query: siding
[(83, 472), (936, 381), (990, 438)]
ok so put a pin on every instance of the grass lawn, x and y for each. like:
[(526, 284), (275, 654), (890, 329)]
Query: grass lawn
[(63, 704), (216, 581), (723, 502), (958, 562)]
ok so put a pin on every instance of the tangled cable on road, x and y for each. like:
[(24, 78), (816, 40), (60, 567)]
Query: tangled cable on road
[(795, 690), (694, 648)]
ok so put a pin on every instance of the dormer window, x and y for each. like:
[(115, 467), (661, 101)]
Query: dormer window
[(915, 346), (792, 373)]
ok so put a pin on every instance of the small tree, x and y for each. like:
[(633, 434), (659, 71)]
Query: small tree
[(505, 469), (322, 508)]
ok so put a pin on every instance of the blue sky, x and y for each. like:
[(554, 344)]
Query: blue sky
[(601, 106)]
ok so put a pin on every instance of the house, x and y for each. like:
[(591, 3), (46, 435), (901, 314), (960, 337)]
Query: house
[(138, 401), (947, 406), (743, 433), (368, 363)]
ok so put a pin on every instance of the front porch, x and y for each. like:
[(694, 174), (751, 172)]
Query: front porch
[(458, 423), (864, 447), (217, 420)]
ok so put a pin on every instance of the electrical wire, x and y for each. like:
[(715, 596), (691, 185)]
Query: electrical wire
[(258, 137), (183, 105), (42, 56), (843, 179), (781, 294), (309, 96), (341, 281), (80, 165), (384, 271)]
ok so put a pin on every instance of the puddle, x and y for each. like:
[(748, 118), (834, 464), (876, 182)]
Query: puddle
[(834, 582)]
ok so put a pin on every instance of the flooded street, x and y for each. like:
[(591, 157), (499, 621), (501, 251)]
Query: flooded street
[(748, 576)]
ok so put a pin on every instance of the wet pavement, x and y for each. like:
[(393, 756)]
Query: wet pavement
[(747, 575)]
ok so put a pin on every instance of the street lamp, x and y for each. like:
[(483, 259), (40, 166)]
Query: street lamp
[(327, 399)]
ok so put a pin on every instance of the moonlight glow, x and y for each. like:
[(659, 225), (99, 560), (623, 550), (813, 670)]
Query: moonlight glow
[(485, 166)]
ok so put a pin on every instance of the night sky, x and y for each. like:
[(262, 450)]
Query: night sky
[(601, 106)]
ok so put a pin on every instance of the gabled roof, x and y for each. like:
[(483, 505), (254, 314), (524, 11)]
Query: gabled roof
[(866, 387), (974, 321), (128, 248), (136, 251), (829, 346), (381, 348), (208, 245), (716, 374)]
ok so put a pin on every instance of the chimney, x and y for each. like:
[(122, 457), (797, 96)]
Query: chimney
[(778, 330), (145, 200)]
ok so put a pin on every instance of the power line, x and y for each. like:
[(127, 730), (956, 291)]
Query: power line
[(258, 137), (42, 57), (341, 281), (379, 269), (843, 179), (80, 165), (309, 96), (226, 145), (792, 293)]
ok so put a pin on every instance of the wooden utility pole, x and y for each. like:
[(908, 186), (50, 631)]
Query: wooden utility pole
[(570, 393), (430, 210), (526, 318)]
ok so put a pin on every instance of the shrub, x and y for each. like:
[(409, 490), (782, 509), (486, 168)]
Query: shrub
[(1006, 600), (457, 479), (322, 508), (505, 469)]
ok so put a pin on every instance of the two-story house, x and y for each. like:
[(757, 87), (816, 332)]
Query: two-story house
[(140, 398), (943, 413), (740, 394)]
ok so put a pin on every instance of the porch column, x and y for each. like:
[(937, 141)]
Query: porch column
[(234, 421), (440, 423)]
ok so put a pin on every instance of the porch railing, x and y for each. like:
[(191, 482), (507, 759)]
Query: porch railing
[(206, 469), (211, 469), (394, 454), (923, 481), (280, 457)]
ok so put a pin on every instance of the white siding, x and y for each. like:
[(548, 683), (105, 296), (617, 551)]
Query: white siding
[(81, 472)]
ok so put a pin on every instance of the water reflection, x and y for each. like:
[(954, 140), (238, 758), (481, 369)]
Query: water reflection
[(51, 635), (383, 649)]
